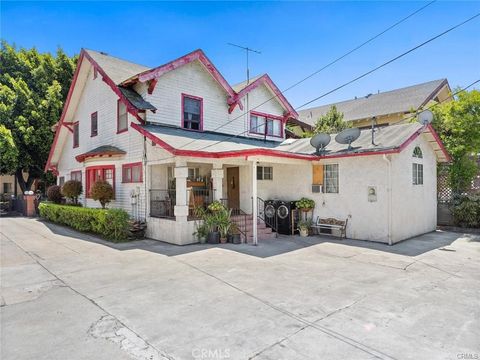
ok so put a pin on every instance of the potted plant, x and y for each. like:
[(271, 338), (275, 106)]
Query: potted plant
[(304, 227), (201, 233), (305, 204), (224, 223), (216, 206), (211, 224), (234, 235)]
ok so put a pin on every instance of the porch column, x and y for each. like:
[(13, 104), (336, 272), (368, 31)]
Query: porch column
[(181, 208), (254, 202), (217, 180)]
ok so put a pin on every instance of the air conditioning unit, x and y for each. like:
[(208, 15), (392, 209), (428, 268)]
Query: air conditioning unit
[(316, 188)]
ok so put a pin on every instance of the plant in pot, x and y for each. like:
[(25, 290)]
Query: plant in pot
[(304, 227), (305, 204), (202, 233), (216, 206), (224, 223), (211, 224), (234, 234)]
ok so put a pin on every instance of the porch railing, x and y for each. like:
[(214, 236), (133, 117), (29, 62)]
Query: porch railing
[(162, 202), (198, 198), (240, 219)]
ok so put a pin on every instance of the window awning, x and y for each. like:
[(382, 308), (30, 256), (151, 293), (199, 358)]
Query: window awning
[(105, 150)]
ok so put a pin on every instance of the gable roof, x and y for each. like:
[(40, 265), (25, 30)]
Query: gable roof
[(389, 102), (392, 139), (117, 69)]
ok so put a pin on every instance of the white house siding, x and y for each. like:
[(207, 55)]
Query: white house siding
[(98, 96), (415, 206), (193, 79)]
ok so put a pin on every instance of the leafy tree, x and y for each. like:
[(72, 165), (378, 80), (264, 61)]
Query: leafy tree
[(331, 122), (102, 191), (8, 152), (458, 125), (33, 88)]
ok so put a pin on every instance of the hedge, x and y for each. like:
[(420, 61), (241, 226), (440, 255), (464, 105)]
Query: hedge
[(109, 223)]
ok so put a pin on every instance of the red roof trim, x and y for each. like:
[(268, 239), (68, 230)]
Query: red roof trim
[(276, 153), (97, 69), (265, 79), (439, 142), (83, 157), (199, 55)]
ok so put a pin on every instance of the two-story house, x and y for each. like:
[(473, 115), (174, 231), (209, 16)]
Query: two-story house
[(178, 136)]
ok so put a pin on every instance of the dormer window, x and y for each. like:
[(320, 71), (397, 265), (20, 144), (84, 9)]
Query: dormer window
[(266, 125), (192, 112)]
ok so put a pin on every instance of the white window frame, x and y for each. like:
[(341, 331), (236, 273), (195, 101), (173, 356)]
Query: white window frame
[(417, 174), (331, 178)]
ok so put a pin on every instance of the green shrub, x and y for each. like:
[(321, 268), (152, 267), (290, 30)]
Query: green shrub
[(112, 224), (103, 192), (54, 194), (466, 212), (72, 190)]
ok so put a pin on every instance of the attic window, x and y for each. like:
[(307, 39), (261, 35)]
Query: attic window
[(122, 117), (417, 153), (192, 109)]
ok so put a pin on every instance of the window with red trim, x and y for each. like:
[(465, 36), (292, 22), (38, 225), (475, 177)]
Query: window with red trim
[(95, 173), (132, 173), (122, 117), (192, 112), (264, 125), (76, 135), (76, 175), (94, 124)]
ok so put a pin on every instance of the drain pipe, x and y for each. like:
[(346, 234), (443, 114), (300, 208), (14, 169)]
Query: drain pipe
[(389, 197)]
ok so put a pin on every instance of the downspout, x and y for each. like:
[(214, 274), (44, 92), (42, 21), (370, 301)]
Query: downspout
[(389, 197)]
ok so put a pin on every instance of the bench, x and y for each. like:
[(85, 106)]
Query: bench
[(331, 224)]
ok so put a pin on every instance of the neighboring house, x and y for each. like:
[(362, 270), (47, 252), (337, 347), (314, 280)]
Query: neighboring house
[(386, 108), (178, 136), (9, 185)]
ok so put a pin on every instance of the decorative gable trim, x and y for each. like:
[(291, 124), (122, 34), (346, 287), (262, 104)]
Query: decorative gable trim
[(153, 74), (264, 80)]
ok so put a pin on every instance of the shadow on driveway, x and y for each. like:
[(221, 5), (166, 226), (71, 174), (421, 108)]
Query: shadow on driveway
[(281, 245)]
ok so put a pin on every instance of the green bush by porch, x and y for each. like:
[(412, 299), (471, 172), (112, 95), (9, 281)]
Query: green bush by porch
[(112, 224)]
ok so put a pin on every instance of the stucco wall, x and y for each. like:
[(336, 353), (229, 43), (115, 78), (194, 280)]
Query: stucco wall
[(366, 220), (415, 206)]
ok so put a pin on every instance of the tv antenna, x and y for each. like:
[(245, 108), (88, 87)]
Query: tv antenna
[(319, 142), (348, 136), (247, 51)]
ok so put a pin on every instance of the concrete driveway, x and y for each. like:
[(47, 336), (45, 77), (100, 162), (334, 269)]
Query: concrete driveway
[(67, 295)]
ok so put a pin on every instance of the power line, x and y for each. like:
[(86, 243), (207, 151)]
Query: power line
[(321, 69), (391, 60), (361, 76)]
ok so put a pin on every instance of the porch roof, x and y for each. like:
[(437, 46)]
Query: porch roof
[(389, 139)]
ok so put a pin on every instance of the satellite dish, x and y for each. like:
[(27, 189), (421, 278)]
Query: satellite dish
[(425, 117), (319, 142), (348, 136)]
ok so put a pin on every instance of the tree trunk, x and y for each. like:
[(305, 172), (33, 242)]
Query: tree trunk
[(24, 185)]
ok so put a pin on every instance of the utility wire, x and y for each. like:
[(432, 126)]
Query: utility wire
[(322, 68), (358, 77)]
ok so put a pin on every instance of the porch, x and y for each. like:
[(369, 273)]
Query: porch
[(177, 189)]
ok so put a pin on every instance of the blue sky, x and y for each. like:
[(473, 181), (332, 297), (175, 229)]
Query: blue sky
[(295, 38)]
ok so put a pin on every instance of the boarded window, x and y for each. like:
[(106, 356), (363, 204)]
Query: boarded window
[(317, 174)]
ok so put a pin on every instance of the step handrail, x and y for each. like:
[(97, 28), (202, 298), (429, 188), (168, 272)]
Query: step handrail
[(261, 215)]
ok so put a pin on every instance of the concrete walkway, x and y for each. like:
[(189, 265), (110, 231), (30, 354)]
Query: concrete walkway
[(66, 295)]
